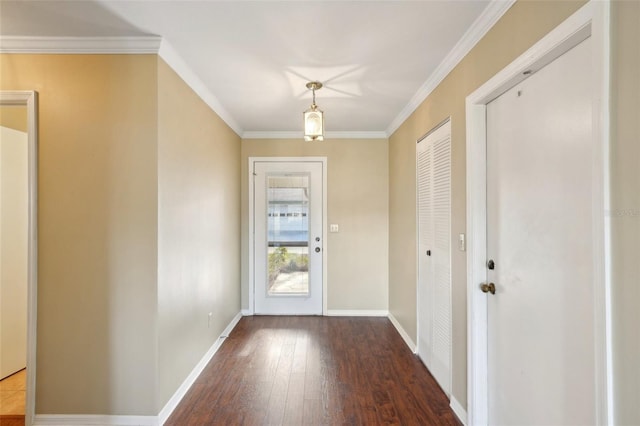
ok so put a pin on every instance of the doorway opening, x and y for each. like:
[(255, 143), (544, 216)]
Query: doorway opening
[(18, 253)]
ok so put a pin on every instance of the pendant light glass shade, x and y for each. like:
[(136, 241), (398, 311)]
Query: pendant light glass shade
[(313, 124), (313, 117)]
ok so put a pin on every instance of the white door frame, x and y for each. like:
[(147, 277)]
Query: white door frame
[(30, 100), (252, 281), (591, 20)]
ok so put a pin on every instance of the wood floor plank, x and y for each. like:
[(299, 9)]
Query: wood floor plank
[(293, 414), (280, 388), (12, 420), (314, 371)]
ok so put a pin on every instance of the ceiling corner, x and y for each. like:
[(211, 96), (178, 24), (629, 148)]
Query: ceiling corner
[(175, 61), (491, 14)]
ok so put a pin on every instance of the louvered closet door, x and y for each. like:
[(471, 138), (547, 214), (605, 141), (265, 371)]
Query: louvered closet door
[(434, 253)]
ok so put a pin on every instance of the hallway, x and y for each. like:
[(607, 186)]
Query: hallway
[(314, 370)]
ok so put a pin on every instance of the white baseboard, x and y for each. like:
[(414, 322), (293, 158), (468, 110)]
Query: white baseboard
[(459, 410), (191, 378), (91, 420), (105, 420), (247, 312), (412, 346), (356, 313)]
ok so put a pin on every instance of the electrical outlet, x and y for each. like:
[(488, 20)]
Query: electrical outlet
[(209, 319)]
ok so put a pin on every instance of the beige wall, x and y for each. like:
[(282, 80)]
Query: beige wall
[(357, 201), (14, 117), (524, 24), (97, 218), (198, 229), (625, 209), (139, 223)]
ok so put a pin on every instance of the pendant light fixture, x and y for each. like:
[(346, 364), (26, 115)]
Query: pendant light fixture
[(313, 117)]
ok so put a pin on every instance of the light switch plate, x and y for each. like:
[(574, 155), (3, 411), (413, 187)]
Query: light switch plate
[(333, 228), (462, 244)]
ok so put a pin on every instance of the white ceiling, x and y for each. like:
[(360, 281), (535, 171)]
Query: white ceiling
[(377, 59)]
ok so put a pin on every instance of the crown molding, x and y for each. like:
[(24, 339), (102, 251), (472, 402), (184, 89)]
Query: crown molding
[(272, 135), (175, 61), (357, 135), (492, 13), (327, 135), (120, 45), (80, 45)]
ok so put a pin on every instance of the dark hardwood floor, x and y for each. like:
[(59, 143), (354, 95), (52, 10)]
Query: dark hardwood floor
[(314, 371), (11, 420)]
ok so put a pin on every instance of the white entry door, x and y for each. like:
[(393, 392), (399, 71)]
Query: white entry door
[(433, 167), (288, 237), (540, 245)]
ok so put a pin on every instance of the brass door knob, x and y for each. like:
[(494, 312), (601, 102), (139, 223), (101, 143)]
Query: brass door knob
[(488, 288)]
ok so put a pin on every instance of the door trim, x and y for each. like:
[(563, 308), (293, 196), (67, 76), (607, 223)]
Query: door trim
[(252, 161), (591, 20), (30, 100)]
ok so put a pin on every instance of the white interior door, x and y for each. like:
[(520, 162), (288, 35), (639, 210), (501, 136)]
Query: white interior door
[(288, 233), (541, 360), (14, 238), (434, 253)]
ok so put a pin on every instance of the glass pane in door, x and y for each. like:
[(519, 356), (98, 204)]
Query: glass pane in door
[(288, 234)]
